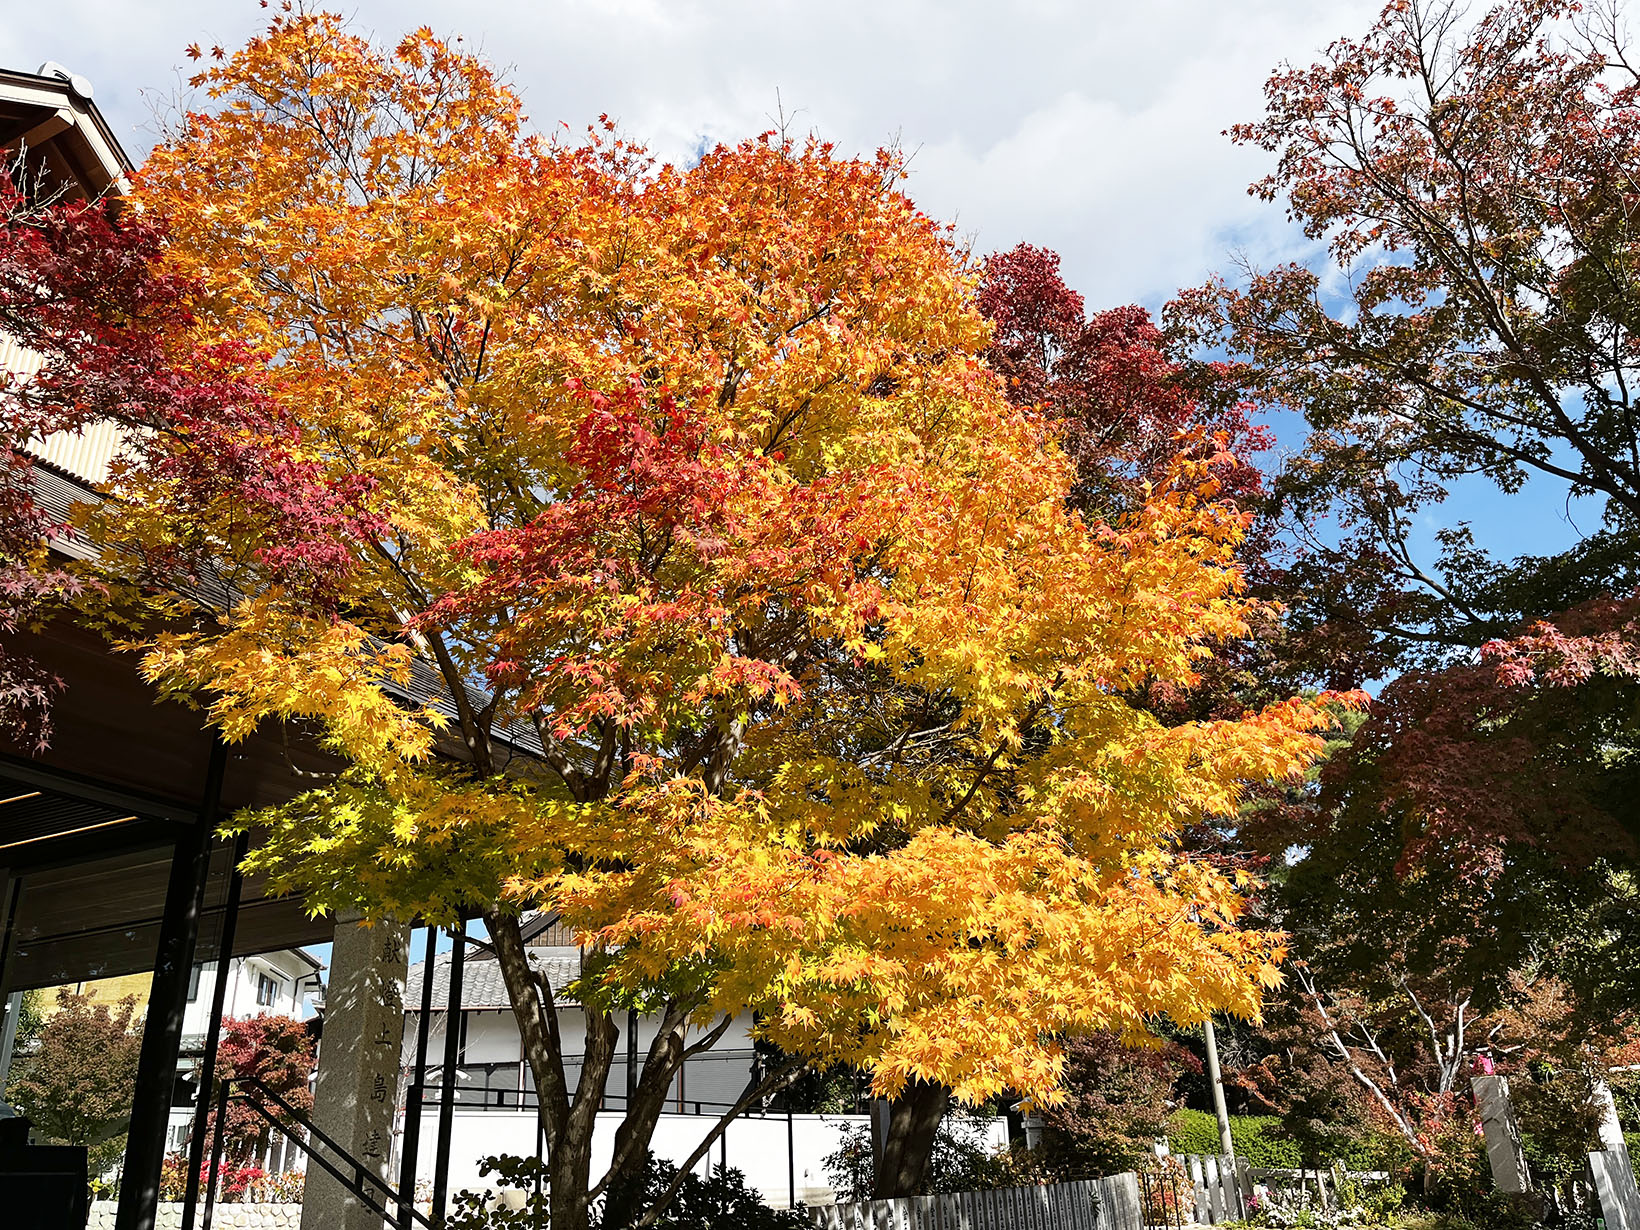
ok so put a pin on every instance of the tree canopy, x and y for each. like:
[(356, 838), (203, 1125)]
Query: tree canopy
[(654, 546), (1468, 177)]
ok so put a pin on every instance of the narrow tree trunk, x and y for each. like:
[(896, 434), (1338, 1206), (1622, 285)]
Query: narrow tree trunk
[(908, 1143), (624, 1200)]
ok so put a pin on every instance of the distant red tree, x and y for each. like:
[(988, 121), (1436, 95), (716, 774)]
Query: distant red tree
[(275, 1050), (1123, 408), (1530, 746)]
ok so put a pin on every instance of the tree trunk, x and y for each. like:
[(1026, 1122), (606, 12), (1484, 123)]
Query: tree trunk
[(623, 1204), (908, 1143), (569, 1176), (569, 1116)]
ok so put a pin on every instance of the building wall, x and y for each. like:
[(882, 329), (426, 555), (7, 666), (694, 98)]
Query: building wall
[(85, 454), (714, 1079), (293, 976), (757, 1146)]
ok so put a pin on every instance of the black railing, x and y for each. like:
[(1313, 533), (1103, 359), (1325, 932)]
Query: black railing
[(1162, 1197), (508, 1086), (352, 1173)]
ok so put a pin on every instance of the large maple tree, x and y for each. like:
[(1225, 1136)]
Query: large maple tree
[(673, 561)]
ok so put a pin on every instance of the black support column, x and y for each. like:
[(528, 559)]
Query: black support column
[(213, 1039), (452, 1057), (167, 1001), (415, 1091)]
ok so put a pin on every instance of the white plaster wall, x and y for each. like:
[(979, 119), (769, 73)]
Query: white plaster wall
[(718, 1076), (755, 1145), (296, 986), (492, 1034), (492, 1037)]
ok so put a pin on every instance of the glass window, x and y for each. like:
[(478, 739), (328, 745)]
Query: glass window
[(267, 990)]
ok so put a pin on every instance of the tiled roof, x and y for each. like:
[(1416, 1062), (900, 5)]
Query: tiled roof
[(481, 984)]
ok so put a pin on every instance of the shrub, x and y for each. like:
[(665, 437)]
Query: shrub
[(240, 1183), (173, 1176), (1168, 1194), (1117, 1102), (1259, 1139), (283, 1188), (721, 1202)]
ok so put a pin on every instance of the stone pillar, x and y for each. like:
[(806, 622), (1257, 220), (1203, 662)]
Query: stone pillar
[(1611, 1132), (1503, 1147), (358, 1065), (1611, 1170)]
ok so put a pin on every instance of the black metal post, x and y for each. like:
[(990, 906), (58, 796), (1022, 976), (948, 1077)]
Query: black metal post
[(410, 1148), (167, 1001), (213, 1036), (11, 897), (631, 1058), (452, 1053), (218, 1137), (791, 1160)]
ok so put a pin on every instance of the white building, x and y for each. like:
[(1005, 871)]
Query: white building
[(780, 1154), (490, 1063), (282, 983)]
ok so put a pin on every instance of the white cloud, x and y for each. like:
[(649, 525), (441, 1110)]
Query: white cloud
[(1093, 128)]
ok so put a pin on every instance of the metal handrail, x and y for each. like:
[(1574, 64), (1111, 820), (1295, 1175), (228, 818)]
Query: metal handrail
[(254, 1090)]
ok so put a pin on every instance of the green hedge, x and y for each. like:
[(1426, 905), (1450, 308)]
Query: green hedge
[(1257, 1138)]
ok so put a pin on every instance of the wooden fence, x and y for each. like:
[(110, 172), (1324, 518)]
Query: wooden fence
[(1216, 1179), (1094, 1204)]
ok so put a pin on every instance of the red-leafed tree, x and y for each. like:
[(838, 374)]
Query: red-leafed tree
[(1123, 411), (276, 1051), (105, 329), (1533, 745)]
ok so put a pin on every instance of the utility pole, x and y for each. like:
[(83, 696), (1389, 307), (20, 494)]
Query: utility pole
[(1226, 1144)]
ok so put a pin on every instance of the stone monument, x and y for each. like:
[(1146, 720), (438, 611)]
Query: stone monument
[(353, 1102)]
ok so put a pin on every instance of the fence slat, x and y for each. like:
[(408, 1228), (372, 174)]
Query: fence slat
[(1110, 1203)]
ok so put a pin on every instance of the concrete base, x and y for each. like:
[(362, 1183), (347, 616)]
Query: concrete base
[(228, 1216)]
